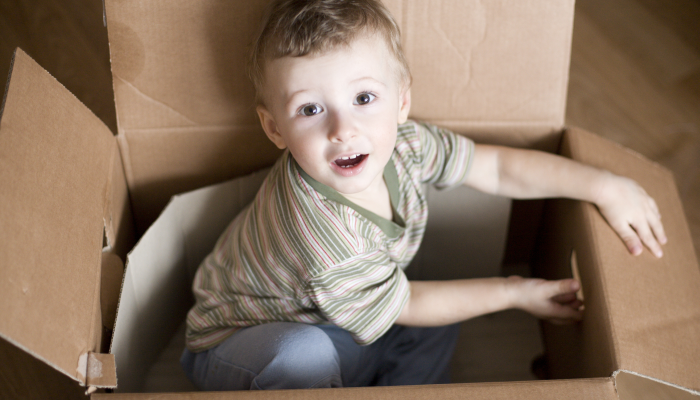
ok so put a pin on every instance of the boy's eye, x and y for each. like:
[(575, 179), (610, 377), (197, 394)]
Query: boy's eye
[(364, 98), (311, 109)]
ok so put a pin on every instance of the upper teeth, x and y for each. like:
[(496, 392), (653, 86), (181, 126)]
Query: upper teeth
[(351, 157)]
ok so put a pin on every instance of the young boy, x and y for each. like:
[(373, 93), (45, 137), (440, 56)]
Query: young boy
[(306, 286)]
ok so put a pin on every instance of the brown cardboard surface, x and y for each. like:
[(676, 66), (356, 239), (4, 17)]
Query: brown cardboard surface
[(163, 162), (473, 72), (599, 389), (181, 63), (54, 164), (653, 304)]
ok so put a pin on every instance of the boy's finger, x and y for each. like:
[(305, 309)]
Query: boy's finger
[(658, 228), (565, 298), (563, 287), (648, 238), (654, 207), (564, 321), (565, 313), (576, 304), (629, 236)]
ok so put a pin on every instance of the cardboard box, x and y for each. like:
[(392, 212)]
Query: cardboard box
[(74, 198)]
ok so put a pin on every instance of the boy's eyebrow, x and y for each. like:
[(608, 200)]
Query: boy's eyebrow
[(292, 95), (364, 78)]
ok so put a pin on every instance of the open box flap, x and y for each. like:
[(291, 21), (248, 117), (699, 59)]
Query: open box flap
[(179, 74), (580, 389), (495, 70), (653, 305), (55, 159)]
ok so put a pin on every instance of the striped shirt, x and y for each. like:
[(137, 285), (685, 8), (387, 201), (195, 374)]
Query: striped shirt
[(301, 252)]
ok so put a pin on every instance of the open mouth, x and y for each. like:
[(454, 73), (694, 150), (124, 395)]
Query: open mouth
[(351, 161)]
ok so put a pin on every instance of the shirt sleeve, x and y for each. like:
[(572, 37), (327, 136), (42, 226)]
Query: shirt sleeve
[(363, 296), (446, 157)]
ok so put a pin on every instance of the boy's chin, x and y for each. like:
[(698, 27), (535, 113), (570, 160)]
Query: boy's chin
[(349, 190), (351, 186)]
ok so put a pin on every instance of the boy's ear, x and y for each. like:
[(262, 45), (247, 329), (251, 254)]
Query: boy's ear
[(270, 126), (404, 105)]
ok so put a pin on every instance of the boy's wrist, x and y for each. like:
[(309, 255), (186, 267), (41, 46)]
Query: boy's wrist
[(511, 288), (599, 192)]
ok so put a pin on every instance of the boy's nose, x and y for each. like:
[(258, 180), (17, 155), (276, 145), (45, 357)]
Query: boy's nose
[(340, 129)]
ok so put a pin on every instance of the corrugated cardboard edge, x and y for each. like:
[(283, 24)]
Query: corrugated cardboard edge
[(121, 292), (7, 84), (578, 389), (104, 14), (116, 318), (98, 370), (589, 211), (569, 147), (112, 272), (616, 373), (107, 218)]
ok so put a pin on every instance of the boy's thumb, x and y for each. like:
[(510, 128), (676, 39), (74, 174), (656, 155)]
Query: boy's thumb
[(566, 286)]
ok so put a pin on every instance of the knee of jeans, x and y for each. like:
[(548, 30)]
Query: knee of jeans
[(191, 365), (305, 357), (187, 362)]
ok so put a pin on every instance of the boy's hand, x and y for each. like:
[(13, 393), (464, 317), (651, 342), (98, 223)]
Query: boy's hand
[(555, 301), (529, 174), (631, 213)]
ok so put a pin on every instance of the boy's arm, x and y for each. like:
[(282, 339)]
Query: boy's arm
[(437, 303), (527, 174)]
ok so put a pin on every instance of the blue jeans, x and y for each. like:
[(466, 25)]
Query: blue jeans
[(286, 355)]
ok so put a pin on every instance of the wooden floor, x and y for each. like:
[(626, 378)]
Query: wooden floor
[(635, 78)]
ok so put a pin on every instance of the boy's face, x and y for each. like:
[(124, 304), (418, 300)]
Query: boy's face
[(337, 112)]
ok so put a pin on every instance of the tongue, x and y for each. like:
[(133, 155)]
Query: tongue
[(351, 162)]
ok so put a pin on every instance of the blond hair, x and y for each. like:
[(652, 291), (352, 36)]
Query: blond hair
[(296, 28)]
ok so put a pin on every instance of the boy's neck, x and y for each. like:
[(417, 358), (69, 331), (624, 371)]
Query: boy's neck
[(375, 198)]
